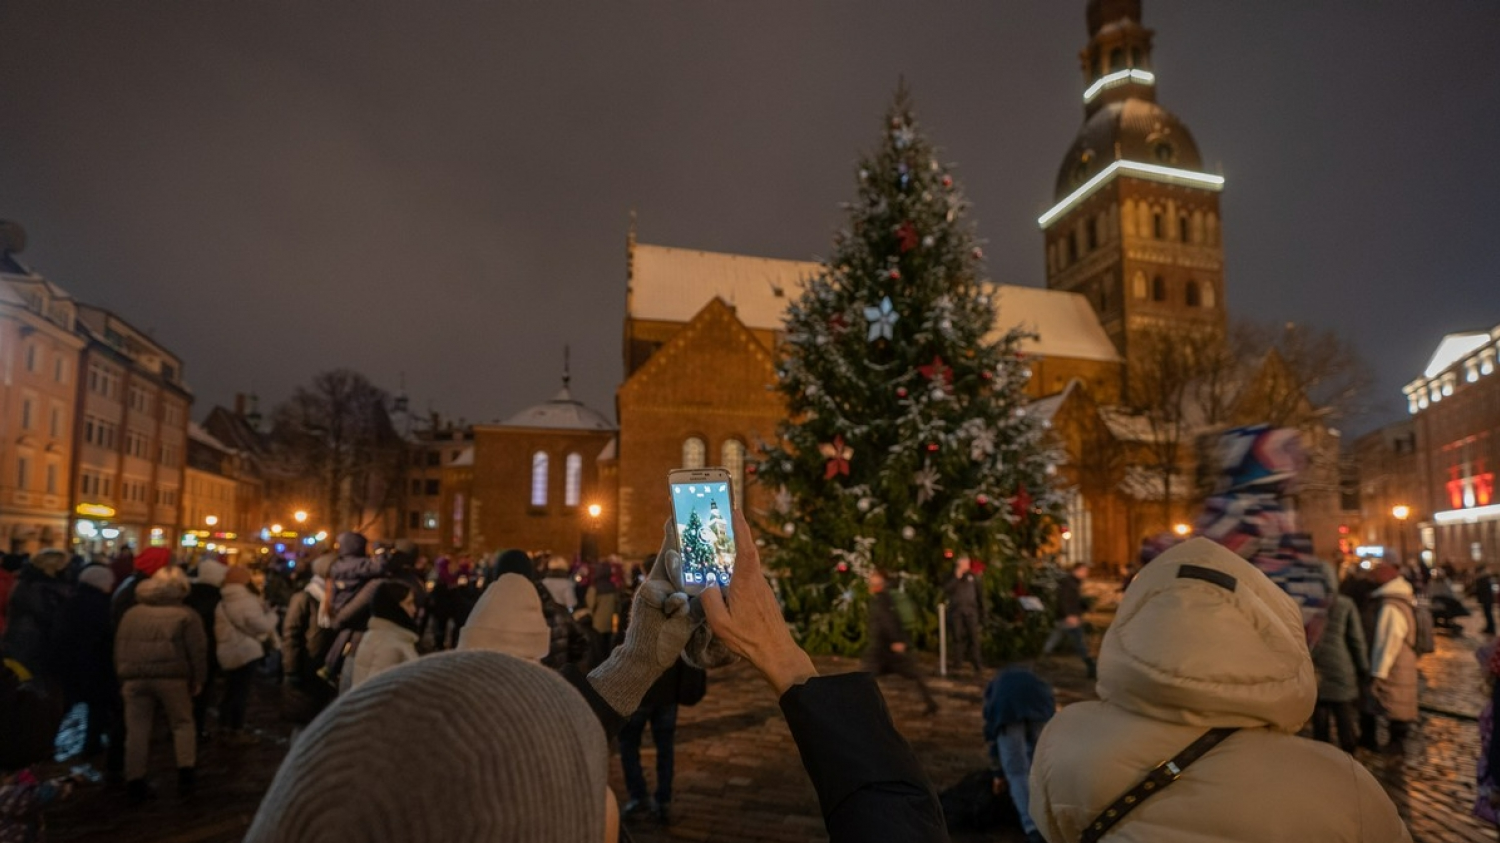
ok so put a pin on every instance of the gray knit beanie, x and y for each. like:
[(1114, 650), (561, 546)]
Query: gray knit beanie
[(508, 749)]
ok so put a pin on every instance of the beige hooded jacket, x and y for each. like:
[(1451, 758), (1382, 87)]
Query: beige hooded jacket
[(1203, 640)]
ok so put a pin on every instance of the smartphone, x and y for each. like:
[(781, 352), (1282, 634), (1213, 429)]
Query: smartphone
[(703, 510)]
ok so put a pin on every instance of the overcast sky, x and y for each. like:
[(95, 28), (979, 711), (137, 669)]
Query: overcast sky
[(274, 189)]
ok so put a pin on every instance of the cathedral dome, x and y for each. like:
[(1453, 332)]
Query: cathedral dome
[(563, 412), (1129, 130)]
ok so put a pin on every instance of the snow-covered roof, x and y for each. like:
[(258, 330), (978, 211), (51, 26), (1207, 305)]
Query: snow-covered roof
[(563, 412), (465, 458), (1454, 348), (611, 450), (1145, 484), (1065, 323), (197, 433), (1045, 408), (672, 285)]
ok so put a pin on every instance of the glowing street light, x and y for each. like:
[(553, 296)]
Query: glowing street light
[(300, 516), (1400, 512), (276, 528), (211, 520), (1182, 529), (594, 510)]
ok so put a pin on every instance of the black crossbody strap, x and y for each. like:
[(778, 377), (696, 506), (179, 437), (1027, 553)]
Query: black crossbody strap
[(1165, 773)]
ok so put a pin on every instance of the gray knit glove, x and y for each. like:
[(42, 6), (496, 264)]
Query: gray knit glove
[(660, 626)]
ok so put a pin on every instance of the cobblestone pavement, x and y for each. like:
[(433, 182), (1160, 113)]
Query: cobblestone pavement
[(739, 777)]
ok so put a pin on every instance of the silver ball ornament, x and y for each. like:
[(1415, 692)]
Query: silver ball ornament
[(908, 532)]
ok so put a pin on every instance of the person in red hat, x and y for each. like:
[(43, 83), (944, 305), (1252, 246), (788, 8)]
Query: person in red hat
[(151, 560)]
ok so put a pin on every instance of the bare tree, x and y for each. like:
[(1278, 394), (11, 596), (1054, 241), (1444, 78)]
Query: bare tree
[(1167, 376), (336, 434), (1313, 374)]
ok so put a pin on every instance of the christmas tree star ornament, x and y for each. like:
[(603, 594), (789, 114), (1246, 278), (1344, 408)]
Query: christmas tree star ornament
[(982, 445), (882, 320), (838, 455), (937, 369), (928, 483), (906, 235)]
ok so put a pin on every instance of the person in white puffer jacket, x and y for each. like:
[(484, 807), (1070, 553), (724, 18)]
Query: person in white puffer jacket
[(391, 638), (243, 625)]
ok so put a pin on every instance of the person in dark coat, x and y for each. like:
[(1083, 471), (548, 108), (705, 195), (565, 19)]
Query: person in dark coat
[(1069, 624), (682, 684), (889, 646), (965, 613), (203, 598), (1485, 587), (1017, 704), (1359, 586), (35, 608), (84, 653), (10, 568), (304, 641), (1343, 664)]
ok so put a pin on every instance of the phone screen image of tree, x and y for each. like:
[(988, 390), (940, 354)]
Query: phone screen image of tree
[(705, 532)]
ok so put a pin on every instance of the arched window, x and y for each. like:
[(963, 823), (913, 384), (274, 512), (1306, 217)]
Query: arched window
[(1135, 57), (1091, 233), (734, 460), (1158, 289), (1158, 225), (1184, 231), (1116, 59), (1208, 294), (694, 452), (539, 479), (572, 479), (1194, 294), (1138, 285), (1072, 246)]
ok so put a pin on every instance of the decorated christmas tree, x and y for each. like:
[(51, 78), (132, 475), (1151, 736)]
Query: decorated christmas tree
[(697, 553), (909, 439)]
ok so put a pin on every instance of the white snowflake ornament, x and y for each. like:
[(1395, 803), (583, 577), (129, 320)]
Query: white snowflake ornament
[(927, 482), (882, 320)]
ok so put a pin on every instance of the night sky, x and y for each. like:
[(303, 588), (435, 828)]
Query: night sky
[(443, 190)]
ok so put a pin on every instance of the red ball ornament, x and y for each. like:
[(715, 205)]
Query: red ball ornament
[(900, 392), (947, 553), (895, 274), (947, 181), (978, 253), (987, 375), (932, 447), (750, 469), (982, 500)]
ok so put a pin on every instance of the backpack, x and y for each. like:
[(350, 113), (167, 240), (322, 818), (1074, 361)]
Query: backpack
[(1424, 640)]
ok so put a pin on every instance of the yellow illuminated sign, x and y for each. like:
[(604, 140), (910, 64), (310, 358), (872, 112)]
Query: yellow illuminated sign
[(95, 510)]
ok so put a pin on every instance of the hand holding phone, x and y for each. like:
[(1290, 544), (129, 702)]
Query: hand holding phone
[(703, 513)]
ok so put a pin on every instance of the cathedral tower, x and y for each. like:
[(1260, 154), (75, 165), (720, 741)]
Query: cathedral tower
[(1135, 227)]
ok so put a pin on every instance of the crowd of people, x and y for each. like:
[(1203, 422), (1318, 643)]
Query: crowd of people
[(1222, 651)]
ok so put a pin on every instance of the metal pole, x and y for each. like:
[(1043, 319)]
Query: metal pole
[(942, 639)]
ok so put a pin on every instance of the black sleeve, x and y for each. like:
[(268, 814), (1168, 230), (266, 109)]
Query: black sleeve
[(611, 720), (869, 783)]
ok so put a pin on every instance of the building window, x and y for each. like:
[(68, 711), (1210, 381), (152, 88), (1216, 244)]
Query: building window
[(413, 520), (1207, 294), (55, 423), (1072, 246), (539, 479), (51, 479), (1184, 231), (31, 357), (694, 452), (734, 460), (1091, 233), (1138, 285), (23, 472), (572, 479), (1194, 295), (26, 414), (432, 488), (60, 369), (416, 487), (1158, 289), (1158, 226), (1116, 59), (434, 458)]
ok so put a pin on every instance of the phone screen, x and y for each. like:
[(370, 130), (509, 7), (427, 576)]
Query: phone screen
[(705, 532)]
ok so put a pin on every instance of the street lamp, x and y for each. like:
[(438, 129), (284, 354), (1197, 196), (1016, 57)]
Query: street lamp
[(276, 528), (1401, 512), (1182, 529), (300, 516), (211, 520), (594, 510)]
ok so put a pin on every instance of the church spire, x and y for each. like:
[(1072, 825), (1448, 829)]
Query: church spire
[(1116, 63)]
